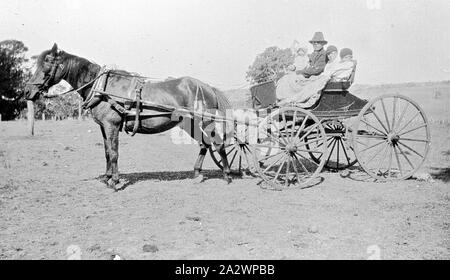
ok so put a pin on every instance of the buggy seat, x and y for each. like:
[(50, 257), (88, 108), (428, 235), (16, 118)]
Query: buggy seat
[(333, 86)]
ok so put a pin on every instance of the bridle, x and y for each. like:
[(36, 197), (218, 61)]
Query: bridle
[(50, 75)]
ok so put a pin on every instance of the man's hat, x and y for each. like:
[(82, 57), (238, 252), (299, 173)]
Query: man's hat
[(318, 37)]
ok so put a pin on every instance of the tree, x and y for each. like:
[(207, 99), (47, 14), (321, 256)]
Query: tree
[(12, 77), (269, 64)]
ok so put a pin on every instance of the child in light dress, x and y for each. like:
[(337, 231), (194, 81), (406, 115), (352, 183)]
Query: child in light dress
[(301, 59)]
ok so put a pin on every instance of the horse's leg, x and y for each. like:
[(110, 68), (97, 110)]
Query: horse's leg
[(104, 178), (112, 140), (223, 155), (198, 177)]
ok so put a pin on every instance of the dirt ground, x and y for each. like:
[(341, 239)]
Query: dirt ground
[(52, 202)]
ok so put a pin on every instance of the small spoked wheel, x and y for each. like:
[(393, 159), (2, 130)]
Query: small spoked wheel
[(281, 155), (340, 155), (238, 155), (391, 137)]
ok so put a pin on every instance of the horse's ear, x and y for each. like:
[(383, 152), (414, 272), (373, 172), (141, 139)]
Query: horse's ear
[(55, 49)]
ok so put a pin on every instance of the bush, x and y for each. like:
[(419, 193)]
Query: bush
[(270, 64)]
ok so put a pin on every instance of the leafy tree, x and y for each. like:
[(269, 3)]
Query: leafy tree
[(270, 64), (13, 75)]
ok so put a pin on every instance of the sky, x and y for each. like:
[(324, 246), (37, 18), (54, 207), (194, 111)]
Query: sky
[(216, 41)]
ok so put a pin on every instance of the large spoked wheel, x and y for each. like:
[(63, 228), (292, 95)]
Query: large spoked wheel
[(391, 137), (340, 155), (281, 155), (238, 155)]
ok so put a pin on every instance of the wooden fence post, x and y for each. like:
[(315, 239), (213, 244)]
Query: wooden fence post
[(30, 107)]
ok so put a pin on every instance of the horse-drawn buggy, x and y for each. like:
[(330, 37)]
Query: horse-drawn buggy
[(289, 146), (388, 136)]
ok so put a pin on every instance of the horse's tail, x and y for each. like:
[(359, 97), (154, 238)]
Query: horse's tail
[(222, 101)]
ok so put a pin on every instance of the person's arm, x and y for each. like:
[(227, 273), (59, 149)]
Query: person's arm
[(314, 69)]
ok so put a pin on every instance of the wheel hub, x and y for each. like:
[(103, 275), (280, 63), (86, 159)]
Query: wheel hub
[(393, 138), (292, 148)]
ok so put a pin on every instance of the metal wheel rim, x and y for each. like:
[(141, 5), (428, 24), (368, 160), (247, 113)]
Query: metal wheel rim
[(400, 150)]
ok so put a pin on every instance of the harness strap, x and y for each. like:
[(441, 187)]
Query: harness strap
[(137, 121)]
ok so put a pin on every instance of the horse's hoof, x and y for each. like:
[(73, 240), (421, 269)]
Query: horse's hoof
[(120, 185), (198, 179), (228, 180), (111, 184), (104, 179)]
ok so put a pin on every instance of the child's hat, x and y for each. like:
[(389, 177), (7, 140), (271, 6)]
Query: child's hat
[(345, 51), (331, 49)]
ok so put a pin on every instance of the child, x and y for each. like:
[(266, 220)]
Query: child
[(344, 68), (301, 59)]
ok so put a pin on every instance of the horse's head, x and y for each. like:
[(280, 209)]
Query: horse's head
[(49, 71)]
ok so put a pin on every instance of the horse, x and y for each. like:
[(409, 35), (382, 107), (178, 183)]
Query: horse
[(55, 65)]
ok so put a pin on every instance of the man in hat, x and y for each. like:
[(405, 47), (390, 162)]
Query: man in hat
[(317, 60)]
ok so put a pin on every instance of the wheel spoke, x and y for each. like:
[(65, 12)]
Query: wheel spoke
[(413, 129), (303, 166), (386, 148), (374, 145), (294, 119), (271, 156), (398, 161), (407, 159), (405, 126), (296, 170), (357, 141), (279, 132), (415, 140), (276, 140), (240, 160), (234, 147), (409, 148), (345, 152), (401, 116), (393, 112), (272, 164), (376, 136), (301, 144), (279, 170), (310, 151), (379, 120), (375, 154), (337, 155), (234, 156), (302, 126), (332, 149), (385, 115), (383, 133), (269, 146), (309, 131), (306, 159), (390, 160), (286, 182)]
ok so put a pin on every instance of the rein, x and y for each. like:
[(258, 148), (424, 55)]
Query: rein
[(75, 89)]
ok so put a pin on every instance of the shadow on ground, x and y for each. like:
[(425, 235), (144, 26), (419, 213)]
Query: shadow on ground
[(442, 174), (136, 177)]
